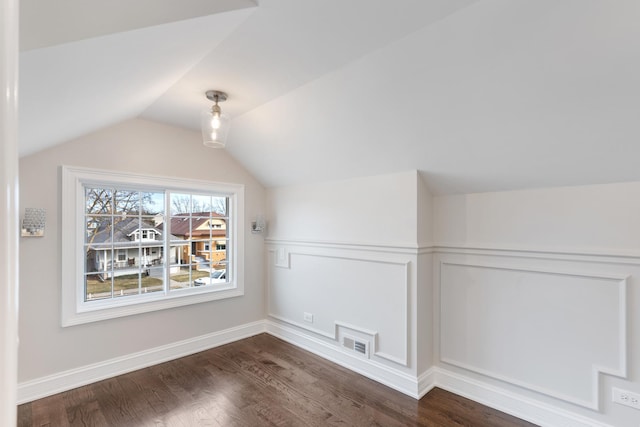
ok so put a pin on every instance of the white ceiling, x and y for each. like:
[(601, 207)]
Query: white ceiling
[(479, 95)]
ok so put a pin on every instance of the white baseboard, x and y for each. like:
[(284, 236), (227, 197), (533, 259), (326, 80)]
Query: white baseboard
[(67, 380), (534, 411), (393, 378), (426, 382), (517, 405), (531, 410)]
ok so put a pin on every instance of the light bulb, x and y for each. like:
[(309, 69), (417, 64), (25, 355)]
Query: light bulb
[(215, 116), (215, 121), (214, 135)]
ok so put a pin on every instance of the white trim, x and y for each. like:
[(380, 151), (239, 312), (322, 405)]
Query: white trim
[(74, 311), (331, 336), (73, 378), (334, 336), (151, 303), (505, 399), (542, 414), (393, 378), (500, 399), (282, 258), (427, 381), (528, 409), (9, 209), (402, 360), (596, 370), (555, 272), (605, 255), (608, 255), (345, 325), (359, 246), (67, 380)]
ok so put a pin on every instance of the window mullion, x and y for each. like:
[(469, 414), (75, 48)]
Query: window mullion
[(141, 255), (167, 243)]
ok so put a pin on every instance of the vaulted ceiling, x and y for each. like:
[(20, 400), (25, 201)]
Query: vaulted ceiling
[(479, 95)]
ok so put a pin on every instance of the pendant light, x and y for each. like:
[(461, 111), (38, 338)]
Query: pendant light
[(214, 124)]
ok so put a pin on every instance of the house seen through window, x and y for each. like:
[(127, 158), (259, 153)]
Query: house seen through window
[(139, 242)]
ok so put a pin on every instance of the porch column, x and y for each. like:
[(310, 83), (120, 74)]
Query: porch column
[(9, 222)]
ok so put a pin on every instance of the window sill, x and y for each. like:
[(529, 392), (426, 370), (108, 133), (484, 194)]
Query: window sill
[(95, 312)]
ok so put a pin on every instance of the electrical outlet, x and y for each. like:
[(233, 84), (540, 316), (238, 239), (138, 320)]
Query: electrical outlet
[(308, 317), (626, 398)]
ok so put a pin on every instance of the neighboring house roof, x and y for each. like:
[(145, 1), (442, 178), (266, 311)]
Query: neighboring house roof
[(123, 232), (183, 228)]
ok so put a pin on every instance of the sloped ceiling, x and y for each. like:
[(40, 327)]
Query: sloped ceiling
[(478, 95)]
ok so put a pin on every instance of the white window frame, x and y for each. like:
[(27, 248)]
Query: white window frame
[(75, 310)]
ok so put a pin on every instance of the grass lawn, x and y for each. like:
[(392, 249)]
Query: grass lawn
[(184, 277), (129, 281)]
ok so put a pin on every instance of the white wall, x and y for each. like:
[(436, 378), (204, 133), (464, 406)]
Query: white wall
[(537, 295), (595, 219), (424, 278), (425, 213), (346, 251), (372, 210), (139, 146)]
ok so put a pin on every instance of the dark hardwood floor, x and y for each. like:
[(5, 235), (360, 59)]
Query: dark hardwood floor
[(259, 381)]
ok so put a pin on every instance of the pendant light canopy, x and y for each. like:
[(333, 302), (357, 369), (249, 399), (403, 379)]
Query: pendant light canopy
[(214, 124)]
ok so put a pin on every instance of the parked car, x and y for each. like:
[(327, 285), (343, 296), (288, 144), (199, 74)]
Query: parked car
[(217, 276)]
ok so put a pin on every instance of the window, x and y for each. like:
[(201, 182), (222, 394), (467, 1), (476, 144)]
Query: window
[(139, 243)]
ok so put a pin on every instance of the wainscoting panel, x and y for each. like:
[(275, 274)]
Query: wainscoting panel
[(353, 293), (543, 327)]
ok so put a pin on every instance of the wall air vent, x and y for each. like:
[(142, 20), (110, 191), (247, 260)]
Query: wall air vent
[(360, 347), (355, 344), (348, 342)]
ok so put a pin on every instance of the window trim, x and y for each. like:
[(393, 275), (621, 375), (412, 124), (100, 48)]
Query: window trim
[(73, 310)]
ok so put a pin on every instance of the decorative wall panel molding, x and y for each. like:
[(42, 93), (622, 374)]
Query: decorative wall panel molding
[(281, 258), (363, 294), (547, 329)]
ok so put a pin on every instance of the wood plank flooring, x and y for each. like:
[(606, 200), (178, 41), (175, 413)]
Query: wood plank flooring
[(259, 381)]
